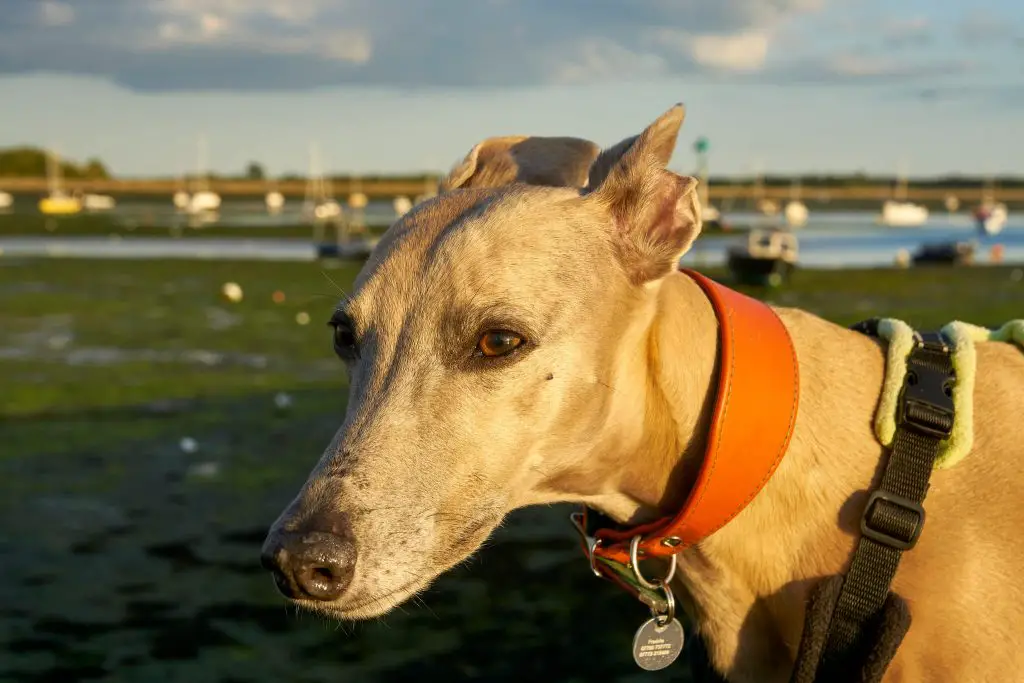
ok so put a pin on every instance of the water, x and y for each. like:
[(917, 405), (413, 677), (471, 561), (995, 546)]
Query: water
[(830, 240), (852, 239)]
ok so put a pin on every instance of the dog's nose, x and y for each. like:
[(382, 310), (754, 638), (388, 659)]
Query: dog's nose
[(313, 565)]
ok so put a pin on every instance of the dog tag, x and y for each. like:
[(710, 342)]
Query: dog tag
[(655, 647)]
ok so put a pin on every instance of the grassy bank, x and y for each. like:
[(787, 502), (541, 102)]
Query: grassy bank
[(141, 226), (146, 448), (138, 224)]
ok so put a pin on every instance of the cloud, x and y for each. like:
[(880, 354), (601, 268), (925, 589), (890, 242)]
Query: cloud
[(284, 44), (739, 52), (166, 45), (53, 13)]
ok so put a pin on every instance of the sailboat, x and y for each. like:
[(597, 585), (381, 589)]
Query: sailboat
[(274, 199), (796, 211), (401, 204), (181, 197), (898, 212), (990, 215), (319, 204), (768, 207), (57, 202), (97, 202), (203, 200)]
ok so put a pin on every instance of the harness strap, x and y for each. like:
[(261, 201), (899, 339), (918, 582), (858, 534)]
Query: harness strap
[(891, 523)]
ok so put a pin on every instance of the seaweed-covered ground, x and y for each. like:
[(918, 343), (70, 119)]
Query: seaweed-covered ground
[(150, 431), (136, 222)]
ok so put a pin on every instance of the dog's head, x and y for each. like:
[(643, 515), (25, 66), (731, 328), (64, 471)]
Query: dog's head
[(496, 343)]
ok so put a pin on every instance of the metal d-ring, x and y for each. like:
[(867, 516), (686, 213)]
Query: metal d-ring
[(670, 604), (592, 543), (634, 564)]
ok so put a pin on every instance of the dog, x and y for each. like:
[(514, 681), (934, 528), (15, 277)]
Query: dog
[(526, 338)]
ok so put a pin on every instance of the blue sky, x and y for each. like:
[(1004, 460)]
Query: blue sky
[(396, 85)]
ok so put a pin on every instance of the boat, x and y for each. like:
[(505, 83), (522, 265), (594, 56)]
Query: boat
[(203, 200), (274, 201), (990, 216), (6, 200), (796, 212), (181, 200), (181, 197), (57, 202), (766, 206), (402, 205), (897, 212), (97, 202), (768, 257), (319, 204), (944, 253)]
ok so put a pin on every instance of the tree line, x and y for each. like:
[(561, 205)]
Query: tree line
[(30, 162)]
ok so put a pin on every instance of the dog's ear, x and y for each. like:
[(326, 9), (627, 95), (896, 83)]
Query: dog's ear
[(656, 214), (552, 161)]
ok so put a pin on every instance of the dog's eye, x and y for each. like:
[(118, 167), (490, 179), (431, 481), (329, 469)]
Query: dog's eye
[(344, 340), (495, 343)]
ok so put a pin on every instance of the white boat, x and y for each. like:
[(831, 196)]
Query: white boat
[(402, 205), (203, 200), (326, 209), (57, 202), (274, 201), (319, 203), (181, 200), (358, 200), (902, 214), (98, 202), (796, 212), (767, 207), (991, 217), (6, 200)]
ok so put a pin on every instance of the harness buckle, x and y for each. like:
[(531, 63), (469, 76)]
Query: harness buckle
[(891, 524), (927, 401)]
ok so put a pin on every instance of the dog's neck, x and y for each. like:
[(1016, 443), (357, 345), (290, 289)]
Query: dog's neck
[(749, 580), (677, 353)]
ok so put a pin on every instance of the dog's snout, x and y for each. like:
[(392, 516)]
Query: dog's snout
[(312, 565)]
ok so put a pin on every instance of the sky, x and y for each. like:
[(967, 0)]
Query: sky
[(924, 87)]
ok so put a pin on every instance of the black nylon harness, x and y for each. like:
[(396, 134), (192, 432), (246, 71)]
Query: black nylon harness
[(854, 623)]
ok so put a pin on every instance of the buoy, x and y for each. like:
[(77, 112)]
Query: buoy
[(278, 297), (231, 291)]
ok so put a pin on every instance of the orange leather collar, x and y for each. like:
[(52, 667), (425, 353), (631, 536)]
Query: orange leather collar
[(755, 410)]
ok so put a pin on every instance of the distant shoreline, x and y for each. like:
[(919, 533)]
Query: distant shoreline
[(385, 188)]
